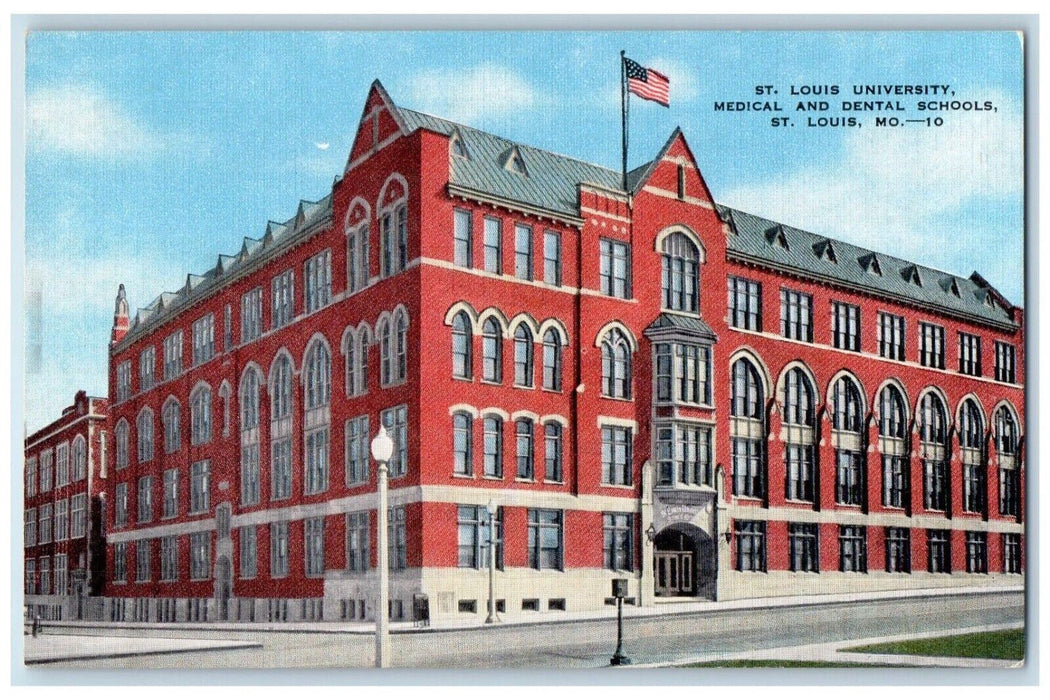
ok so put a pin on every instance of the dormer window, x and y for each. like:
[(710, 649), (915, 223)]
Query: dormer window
[(825, 251), (871, 265), (514, 162), (457, 147), (950, 286), (776, 237), (911, 274)]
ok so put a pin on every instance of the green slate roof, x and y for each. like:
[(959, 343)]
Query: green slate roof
[(552, 180), (679, 324), (764, 240)]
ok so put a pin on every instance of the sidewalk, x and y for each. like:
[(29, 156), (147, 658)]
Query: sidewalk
[(833, 653), (53, 648), (661, 609)]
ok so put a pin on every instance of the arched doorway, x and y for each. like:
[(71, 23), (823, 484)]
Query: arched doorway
[(682, 561)]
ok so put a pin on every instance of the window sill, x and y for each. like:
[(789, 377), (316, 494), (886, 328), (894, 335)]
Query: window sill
[(554, 482), (468, 380), (617, 486), (524, 480), (468, 477), (617, 398), (523, 386), (799, 502), (551, 391), (851, 506), (489, 477), (491, 382)]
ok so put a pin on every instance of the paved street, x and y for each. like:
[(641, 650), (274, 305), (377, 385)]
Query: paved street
[(588, 644)]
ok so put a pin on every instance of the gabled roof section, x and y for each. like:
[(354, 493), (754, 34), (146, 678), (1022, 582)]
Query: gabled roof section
[(457, 146), (870, 263), (951, 286), (513, 161), (750, 244), (675, 146), (825, 250), (775, 236), (380, 119), (910, 273)]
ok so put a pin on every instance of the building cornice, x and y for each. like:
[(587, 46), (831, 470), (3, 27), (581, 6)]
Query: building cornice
[(495, 200)]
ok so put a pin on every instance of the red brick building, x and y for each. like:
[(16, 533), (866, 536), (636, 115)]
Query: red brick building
[(641, 383), (65, 473)]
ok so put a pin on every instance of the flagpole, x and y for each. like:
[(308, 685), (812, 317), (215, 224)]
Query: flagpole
[(623, 113)]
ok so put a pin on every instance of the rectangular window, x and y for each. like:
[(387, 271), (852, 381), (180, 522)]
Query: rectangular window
[(545, 539), (313, 545), (895, 492), (931, 345), (898, 550), (61, 520), (200, 487), (169, 558), (977, 552), (396, 422), (61, 574), (616, 268), (249, 551), (45, 575), (939, 555), (683, 373), (200, 556), (394, 230), (278, 549), (227, 338), (357, 541), (552, 258), (853, 549), (552, 451), (493, 246), (358, 444), (397, 550), (618, 541), (145, 499), (1011, 553), (750, 545), (493, 446), (281, 469), (124, 380), (120, 562), (796, 315), (616, 455), (30, 568), (78, 515), (969, 354), (283, 299), (173, 355), (525, 448), (47, 463), (1009, 491), (523, 252), (891, 336), (798, 460), (802, 541), (29, 524), (935, 484), (745, 304), (849, 473), (143, 553), (845, 326), (251, 315), (748, 457), (203, 339), (171, 493), (147, 362), (318, 274), (1005, 362), (473, 533), (463, 238), (974, 488), (31, 477), (62, 464), (120, 505), (250, 473), (684, 455), (316, 468)]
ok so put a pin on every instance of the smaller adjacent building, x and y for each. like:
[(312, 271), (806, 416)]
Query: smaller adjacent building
[(63, 515)]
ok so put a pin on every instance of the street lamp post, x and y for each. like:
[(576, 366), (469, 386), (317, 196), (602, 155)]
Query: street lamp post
[(491, 508), (382, 450)]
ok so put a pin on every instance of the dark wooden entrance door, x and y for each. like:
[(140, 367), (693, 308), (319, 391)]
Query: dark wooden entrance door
[(674, 573)]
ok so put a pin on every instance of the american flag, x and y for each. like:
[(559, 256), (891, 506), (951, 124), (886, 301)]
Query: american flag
[(647, 83)]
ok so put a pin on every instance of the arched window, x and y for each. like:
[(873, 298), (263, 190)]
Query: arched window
[(892, 414), (250, 401), (172, 424), (462, 347), (798, 398), (145, 435), (524, 441), (318, 372), (523, 373), (200, 416), (120, 434), (680, 273), (552, 351), (847, 405), (357, 363), (747, 398), (492, 351), (616, 365), (250, 438), (281, 392), (933, 420), (79, 456), (971, 425), (350, 369), (1005, 432), (401, 369), (394, 222), (386, 359), (463, 444)]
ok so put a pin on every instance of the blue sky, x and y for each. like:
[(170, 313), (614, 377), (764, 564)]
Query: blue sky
[(148, 154)]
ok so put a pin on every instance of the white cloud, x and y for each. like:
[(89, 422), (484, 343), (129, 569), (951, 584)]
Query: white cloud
[(485, 91), (903, 190), (681, 76), (81, 121)]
